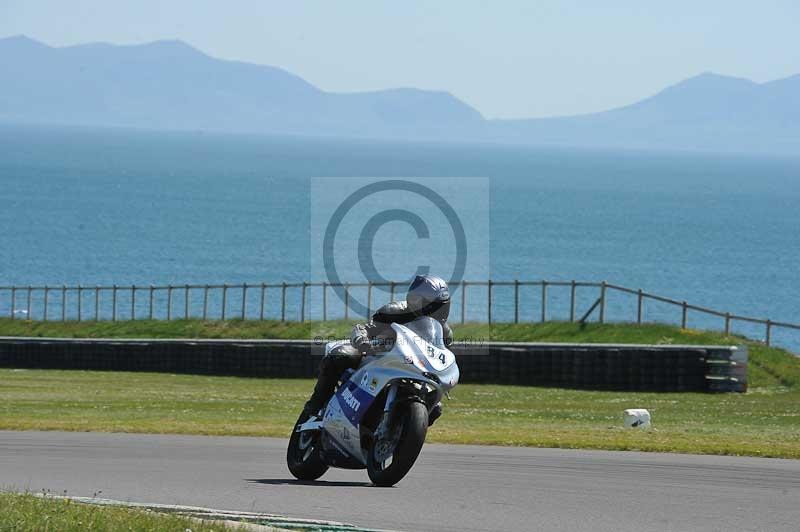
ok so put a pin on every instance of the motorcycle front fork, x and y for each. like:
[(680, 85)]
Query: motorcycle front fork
[(383, 426)]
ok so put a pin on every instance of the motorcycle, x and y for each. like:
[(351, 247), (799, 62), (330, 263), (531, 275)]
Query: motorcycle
[(379, 415)]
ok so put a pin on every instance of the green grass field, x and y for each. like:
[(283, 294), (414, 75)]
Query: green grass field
[(27, 512), (763, 422), (524, 332)]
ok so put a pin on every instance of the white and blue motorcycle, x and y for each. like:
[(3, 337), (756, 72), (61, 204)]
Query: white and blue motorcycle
[(378, 417)]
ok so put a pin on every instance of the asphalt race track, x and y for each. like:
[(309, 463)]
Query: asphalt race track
[(450, 488)]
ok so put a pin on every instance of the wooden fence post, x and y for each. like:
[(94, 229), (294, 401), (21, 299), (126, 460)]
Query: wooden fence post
[(683, 315), (572, 301), (463, 300), (169, 302), (46, 297), (489, 302), (63, 302), (114, 303), (369, 300), (516, 300), (727, 324), (205, 302), (80, 297), (28, 306), (303, 303), (324, 301), (639, 301), (283, 301), (13, 301), (603, 302), (244, 301), (769, 333), (261, 308), (150, 303), (544, 301), (224, 300), (133, 302), (96, 302), (186, 302), (346, 301)]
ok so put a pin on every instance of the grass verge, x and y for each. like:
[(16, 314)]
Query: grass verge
[(238, 329), (763, 422), (28, 512)]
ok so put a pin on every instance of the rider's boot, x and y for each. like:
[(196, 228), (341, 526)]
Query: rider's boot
[(330, 369), (323, 391)]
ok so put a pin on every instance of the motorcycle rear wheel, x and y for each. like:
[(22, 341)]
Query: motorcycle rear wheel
[(413, 418), (303, 454)]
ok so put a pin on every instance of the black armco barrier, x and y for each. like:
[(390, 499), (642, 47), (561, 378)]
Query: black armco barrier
[(667, 368)]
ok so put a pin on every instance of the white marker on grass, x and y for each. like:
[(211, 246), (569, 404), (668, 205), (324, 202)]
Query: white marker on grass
[(636, 417)]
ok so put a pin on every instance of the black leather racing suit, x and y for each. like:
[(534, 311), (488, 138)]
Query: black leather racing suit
[(366, 338)]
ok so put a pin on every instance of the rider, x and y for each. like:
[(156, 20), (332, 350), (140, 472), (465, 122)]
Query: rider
[(427, 295)]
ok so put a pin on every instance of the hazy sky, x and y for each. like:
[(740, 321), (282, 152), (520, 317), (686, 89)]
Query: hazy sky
[(507, 59)]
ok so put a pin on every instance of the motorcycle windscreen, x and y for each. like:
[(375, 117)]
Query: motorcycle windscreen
[(428, 329)]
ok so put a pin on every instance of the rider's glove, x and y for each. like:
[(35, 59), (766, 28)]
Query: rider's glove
[(361, 337)]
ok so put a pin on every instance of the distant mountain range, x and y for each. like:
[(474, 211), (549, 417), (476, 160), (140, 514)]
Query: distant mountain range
[(170, 85)]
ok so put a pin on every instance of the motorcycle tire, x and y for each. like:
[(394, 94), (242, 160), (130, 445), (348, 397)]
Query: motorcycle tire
[(305, 463), (414, 417)]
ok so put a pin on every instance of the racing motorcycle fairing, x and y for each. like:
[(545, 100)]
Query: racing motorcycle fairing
[(418, 364)]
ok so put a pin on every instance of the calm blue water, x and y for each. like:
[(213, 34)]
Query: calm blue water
[(102, 207)]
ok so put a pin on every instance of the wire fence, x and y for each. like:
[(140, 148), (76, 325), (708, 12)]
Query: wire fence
[(474, 301)]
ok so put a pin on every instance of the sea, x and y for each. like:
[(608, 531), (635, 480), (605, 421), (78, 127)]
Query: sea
[(111, 206)]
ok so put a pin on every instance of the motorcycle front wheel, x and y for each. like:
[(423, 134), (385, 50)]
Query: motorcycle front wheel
[(303, 454), (391, 457)]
